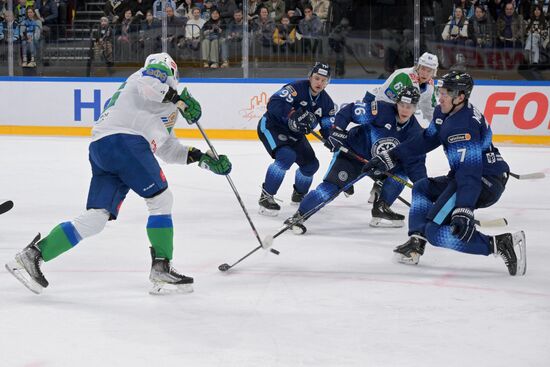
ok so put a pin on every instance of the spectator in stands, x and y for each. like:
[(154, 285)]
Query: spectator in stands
[(456, 30), (9, 21), (20, 11), (185, 9), (210, 44), (321, 9), (537, 34), (149, 34), (263, 28), (114, 9), (48, 14), (30, 29), (510, 28), (284, 35), (309, 30), (545, 4), (207, 9), (481, 29), (234, 36), (254, 7), (340, 9), (294, 16), (523, 8), (103, 45), (227, 9), (496, 7), (175, 28), (276, 9), (139, 8), (3, 9), (125, 28), (157, 7), (193, 29), (467, 8)]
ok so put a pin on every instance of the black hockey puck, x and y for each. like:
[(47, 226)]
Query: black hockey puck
[(224, 267), (276, 252)]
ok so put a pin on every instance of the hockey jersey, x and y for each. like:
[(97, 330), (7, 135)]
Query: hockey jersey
[(297, 95), (402, 78), (136, 108), (379, 131), (466, 138)]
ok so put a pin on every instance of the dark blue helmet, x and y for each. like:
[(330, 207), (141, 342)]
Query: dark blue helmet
[(409, 94), (457, 81), (321, 69)]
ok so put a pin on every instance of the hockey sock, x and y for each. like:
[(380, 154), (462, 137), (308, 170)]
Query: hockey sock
[(391, 189), (160, 231), (441, 236), (62, 238), (274, 178), (321, 194), (302, 182)]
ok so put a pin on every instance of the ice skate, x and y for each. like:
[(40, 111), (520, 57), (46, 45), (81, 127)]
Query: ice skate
[(165, 279), (410, 251), (297, 223), (383, 216), (268, 205), (375, 192), (512, 249), (296, 198), (26, 267)]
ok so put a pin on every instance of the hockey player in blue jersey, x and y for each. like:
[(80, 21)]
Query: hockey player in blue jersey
[(382, 126), (293, 112), (442, 210)]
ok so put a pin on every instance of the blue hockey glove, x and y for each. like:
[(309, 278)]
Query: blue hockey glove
[(336, 139), (463, 224), (379, 164), (302, 121)]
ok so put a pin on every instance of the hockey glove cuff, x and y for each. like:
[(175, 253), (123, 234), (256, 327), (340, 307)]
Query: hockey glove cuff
[(336, 139), (193, 155), (220, 166), (192, 111), (381, 163), (463, 224)]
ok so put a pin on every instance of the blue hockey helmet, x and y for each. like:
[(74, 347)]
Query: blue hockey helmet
[(321, 69), (457, 82)]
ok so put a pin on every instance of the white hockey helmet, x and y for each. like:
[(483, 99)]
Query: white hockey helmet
[(164, 58), (429, 60)]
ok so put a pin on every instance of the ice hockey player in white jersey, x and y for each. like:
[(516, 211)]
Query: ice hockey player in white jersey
[(421, 76), (136, 125)]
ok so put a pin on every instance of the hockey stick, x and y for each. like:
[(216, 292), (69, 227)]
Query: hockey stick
[(6, 206), (528, 176), (268, 240), (498, 222), (225, 267)]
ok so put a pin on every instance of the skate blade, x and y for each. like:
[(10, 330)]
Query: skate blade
[(268, 212), (521, 252), (402, 259), (384, 223), (295, 203), (17, 270), (164, 289), (299, 229)]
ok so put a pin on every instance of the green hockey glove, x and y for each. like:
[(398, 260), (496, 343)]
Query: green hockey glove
[(192, 113), (220, 166)]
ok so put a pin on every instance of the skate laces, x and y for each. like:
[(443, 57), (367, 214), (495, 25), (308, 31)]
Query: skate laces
[(266, 196)]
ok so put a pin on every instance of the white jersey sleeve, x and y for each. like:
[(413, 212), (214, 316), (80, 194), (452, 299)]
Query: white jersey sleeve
[(172, 151), (136, 108)]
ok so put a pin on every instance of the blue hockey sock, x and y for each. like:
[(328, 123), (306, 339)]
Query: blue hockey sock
[(441, 236), (302, 183)]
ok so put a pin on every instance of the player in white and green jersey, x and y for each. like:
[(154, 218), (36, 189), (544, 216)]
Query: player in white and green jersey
[(421, 76)]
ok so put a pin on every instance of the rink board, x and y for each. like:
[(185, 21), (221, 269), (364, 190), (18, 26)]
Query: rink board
[(518, 111)]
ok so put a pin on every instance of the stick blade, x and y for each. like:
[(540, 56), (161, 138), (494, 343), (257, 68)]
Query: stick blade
[(529, 176), (499, 222)]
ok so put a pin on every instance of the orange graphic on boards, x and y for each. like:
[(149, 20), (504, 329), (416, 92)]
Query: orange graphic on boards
[(256, 108)]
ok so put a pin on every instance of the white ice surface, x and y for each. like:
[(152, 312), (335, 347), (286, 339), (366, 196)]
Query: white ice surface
[(332, 298)]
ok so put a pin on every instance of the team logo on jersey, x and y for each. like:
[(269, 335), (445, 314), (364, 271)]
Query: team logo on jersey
[(381, 145), (169, 121), (282, 137), (459, 137), (303, 103), (155, 73), (343, 176)]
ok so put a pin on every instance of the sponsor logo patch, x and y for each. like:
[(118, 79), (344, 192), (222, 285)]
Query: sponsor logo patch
[(282, 137), (459, 137)]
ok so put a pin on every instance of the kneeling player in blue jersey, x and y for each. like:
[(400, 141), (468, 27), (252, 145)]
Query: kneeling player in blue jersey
[(382, 126), (136, 125), (293, 112), (442, 210)]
